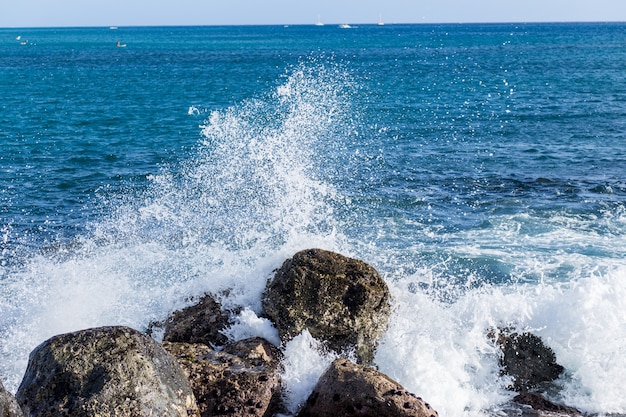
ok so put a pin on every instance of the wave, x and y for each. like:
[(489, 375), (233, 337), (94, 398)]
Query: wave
[(248, 197), (298, 168), (440, 349)]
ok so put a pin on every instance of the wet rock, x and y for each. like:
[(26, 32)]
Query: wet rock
[(348, 389), (198, 323), (256, 351), (244, 382), (106, 371), (340, 300), (542, 407), (8, 404), (527, 359)]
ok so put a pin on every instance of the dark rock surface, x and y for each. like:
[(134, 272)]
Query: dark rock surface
[(106, 371), (8, 404), (348, 389), (542, 407), (198, 323), (527, 359), (244, 382), (341, 301)]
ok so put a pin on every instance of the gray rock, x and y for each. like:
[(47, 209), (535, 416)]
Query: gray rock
[(527, 359), (106, 371), (244, 382), (348, 389), (8, 404), (340, 300), (198, 323)]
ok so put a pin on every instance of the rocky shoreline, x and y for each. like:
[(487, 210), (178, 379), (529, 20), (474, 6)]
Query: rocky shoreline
[(195, 371)]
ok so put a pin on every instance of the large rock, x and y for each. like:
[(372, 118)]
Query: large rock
[(527, 360), (244, 382), (8, 404), (106, 371), (347, 389), (340, 300), (198, 323)]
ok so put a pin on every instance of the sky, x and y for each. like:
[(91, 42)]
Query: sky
[(47, 13)]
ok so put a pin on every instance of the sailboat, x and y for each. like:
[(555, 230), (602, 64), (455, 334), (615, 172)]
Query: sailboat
[(319, 22), (380, 20)]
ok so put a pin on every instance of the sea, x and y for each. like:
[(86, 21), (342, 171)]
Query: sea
[(480, 168)]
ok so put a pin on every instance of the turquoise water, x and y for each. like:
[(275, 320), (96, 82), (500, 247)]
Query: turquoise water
[(479, 168)]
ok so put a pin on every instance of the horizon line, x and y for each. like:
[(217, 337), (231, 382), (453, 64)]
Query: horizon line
[(331, 24)]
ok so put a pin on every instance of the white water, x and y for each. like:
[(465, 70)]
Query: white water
[(440, 350), (250, 197)]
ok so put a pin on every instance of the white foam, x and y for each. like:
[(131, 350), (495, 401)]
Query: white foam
[(584, 324), (440, 350), (305, 361), (248, 324)]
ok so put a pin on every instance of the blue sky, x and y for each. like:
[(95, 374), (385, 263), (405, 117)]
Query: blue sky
[(30, 13)]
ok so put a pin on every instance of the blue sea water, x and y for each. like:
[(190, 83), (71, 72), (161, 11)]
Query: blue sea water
[(481, 168)]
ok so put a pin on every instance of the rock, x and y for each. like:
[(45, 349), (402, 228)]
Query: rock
[(348, 389), (199, 323), (106, 371), (341, 301), (246, 383), (527, 359), (255, 351), (541, 407), (8, 404)]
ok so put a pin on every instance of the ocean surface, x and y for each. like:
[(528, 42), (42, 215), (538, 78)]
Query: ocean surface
[(480, 168)]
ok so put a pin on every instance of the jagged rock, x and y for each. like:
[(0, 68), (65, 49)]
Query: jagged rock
[(527, 359), (106, 371), (198, 323), (340, 300), (348, 389), (542, 407), (8, 404), (256, 351), (245, 382)]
